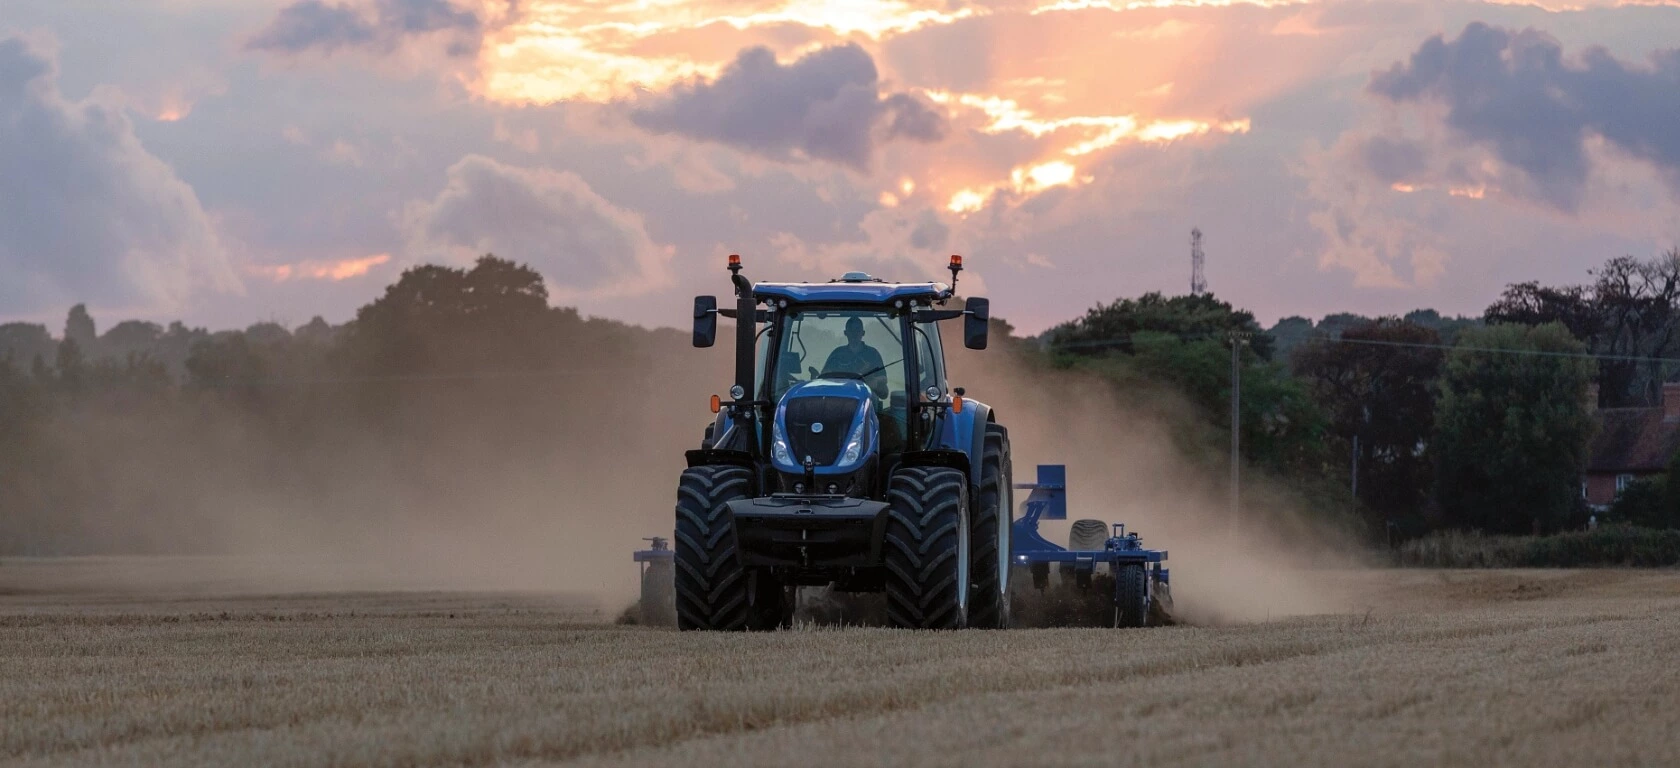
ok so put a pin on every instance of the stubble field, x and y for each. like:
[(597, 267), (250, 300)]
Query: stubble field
[(131, 662)]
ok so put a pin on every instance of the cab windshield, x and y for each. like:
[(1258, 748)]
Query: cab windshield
[(858, 344)]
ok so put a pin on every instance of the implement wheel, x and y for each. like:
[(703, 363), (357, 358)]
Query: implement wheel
[(1131, 592), (926, 549), (659, 606), (713, 591), (988, 601)]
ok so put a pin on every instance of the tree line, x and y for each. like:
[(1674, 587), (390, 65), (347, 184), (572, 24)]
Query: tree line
[(456, 385), (1423, 422)]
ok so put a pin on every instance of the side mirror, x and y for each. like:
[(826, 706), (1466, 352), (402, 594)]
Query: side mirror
[(705, 321), (977, 315)]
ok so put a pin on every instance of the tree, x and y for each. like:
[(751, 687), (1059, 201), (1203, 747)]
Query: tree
[(1378, 383), (1282, 428), (23, 342), (1447, 328), (1512, 428), (130, 337), (1289, 333), (78, 327), (437, 318), (316, 331), (71, 365), (1631, 310), (1112, 326), (1643, 502), (227, 362)]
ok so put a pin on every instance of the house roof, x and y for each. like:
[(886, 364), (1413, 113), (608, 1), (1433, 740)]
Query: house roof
[(1632, 440)]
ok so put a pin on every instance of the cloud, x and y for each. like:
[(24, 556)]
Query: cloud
[(1392, 159), (1514, 92), (328, 27), (552, 220), (86, 213), (930, 232), (826, 105)]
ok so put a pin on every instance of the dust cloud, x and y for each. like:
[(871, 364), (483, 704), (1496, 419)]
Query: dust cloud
[(537, 480), (1143, 457), (547, 481)]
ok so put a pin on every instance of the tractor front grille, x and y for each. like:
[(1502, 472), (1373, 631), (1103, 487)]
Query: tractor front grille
[(823, 446)]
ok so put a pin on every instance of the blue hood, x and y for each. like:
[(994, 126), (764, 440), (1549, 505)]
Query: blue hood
[(831, 420)]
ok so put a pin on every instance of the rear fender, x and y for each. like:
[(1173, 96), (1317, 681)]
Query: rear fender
[(963, 433), (937, 457), (703, 457)]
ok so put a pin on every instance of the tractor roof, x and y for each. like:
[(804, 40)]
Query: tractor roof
[(851, 288)]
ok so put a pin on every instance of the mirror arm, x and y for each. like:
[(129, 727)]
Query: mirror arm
[(935, 315)]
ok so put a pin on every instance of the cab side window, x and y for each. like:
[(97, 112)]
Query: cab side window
[(928, 361)]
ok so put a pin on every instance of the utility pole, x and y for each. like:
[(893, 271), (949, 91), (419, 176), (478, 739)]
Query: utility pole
[(1356, 467), (1198, 283), (1237, 338)]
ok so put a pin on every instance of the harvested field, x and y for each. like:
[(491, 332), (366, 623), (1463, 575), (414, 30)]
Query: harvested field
[(127, 662)]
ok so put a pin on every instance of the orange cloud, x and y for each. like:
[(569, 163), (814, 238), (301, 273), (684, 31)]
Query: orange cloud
[(342, 269), (561, 51)]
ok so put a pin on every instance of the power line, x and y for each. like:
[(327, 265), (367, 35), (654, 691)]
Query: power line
[(1127, 339)]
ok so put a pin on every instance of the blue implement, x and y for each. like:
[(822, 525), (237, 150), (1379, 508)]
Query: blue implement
[(1140, 582)]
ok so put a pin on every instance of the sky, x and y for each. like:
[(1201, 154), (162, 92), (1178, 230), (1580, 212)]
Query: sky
[(225, 162)]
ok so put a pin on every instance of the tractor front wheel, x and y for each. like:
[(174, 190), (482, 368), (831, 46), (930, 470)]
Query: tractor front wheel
[(713, 591), (925, 549)]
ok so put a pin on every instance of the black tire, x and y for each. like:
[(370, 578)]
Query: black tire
[(988, 599), (713, 590), (1083, 535), (926, 549), (659, 600), (1132, 593), (1088, 534)]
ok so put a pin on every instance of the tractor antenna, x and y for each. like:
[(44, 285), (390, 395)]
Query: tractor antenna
[(1198, 283)]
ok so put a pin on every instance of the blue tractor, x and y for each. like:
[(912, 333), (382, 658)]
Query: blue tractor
[(844, 459)]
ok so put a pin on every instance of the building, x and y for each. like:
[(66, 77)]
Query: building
[(1630, 444)]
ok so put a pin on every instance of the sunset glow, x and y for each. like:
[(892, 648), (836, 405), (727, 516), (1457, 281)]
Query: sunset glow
[(333, 271), (1326, 150), (560, 51)]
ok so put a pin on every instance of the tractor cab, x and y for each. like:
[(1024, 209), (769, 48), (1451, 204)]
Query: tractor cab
[(846, 376)]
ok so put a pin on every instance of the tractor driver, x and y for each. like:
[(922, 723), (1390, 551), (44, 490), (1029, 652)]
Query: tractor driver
[(859, 358), (863, 360)]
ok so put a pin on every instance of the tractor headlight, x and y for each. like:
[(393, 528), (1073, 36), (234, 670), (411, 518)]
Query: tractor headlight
[(778, 444), (854, 444)]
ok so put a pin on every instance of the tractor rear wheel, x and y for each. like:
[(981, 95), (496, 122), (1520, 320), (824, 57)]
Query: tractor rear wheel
[(925, 549), (713, 590), (988, 606), (1131, 592)]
